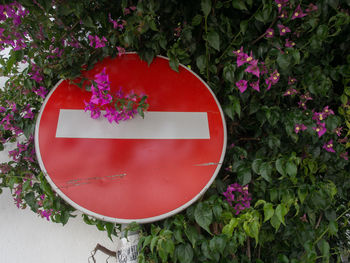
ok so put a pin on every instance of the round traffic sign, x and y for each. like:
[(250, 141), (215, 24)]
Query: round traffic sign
[(139, 170)]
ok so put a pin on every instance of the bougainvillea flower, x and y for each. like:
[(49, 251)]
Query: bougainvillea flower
[(311, 8), (241, 59), (299, 127), (298, 13), (273, 79), (320, 129), (306, 96), (41, 91), (338, 131), (345, 156), (253, 68), (283, 29), (242, 85), (302, 105), (269, 33), (283, 14), (289, 43), (327, 111), (97, 42), (121, 51), (238, 197), (255, 85), (281, 4), (291, 80), (290, 91), (319, 116), (329, 146)]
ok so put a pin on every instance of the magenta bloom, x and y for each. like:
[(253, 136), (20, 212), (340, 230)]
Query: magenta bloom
[(255, 85), (306, 97), (329, 146), (97, 42), (290, 91), (41, 91), (121, 51), (253, 68), (298, 13), (345, 156), (291, 80), (284, 14), (242, 85), (338, 131), (281, 4), (327, 111), (299, 127), (273, 79), (238, 197), (269, 33), (319, 116), (320, 129), (311, 8), (283, 29), (289, 43)]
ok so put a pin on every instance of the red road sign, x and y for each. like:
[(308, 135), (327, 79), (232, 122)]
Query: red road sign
[(140, 170)]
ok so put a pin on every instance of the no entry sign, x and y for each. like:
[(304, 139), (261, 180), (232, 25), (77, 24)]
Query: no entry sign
[(140, 170)]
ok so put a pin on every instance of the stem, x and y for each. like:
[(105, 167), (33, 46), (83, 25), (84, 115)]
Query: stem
[(206, 46), (248, 249), (319, 221), (260, 37)]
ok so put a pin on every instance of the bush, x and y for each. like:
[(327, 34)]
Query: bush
[(281, 71)]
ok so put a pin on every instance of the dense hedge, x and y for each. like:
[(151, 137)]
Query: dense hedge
[(281, 71)]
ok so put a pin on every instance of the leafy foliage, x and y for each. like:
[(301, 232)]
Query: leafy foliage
[(298, 179)]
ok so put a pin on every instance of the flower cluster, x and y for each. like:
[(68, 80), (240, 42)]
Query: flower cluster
[(254, 68), (283, 10), (238, 197), (97, 42), (117, 24), (13, 12), (117, 108)]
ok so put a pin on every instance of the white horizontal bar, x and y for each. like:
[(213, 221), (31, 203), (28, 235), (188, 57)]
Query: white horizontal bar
[(155, 125)]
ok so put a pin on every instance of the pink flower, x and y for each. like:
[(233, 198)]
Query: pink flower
[(97, 42), (41, 91), (281, 4), (289, 43), (299, 127), (269, 33), (327, 111), (242, 85), (320, 129), (306, 96), (329, 146), (284, 14), (319, 116), (291, 80), (345, 156), (273, 79), (253, 68), (255, 85), (311, 8), (126, 11), (121, 51), (298, 13), (290, 91), (338, 131), (283, 29)]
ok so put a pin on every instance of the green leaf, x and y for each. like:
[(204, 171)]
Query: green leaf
[(203, 216), (302, 193), (197, 20), (206, 7), (154, 242), (283, 61), (217, 244), (254, 230), (192, 235), (239, 4), (184, 253), (1, 147), (109, 227), (200, 62), (280, 167), (256, 165), (291, 168), (228, 229), (169, 246), (275, 222), (265, 171), (268, 211), (244, 26), (323, 246), (214, 40), (333, 228), (280, 212), (174, 64)]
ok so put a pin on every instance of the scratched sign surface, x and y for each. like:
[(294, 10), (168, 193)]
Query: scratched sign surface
[(140, 170)]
